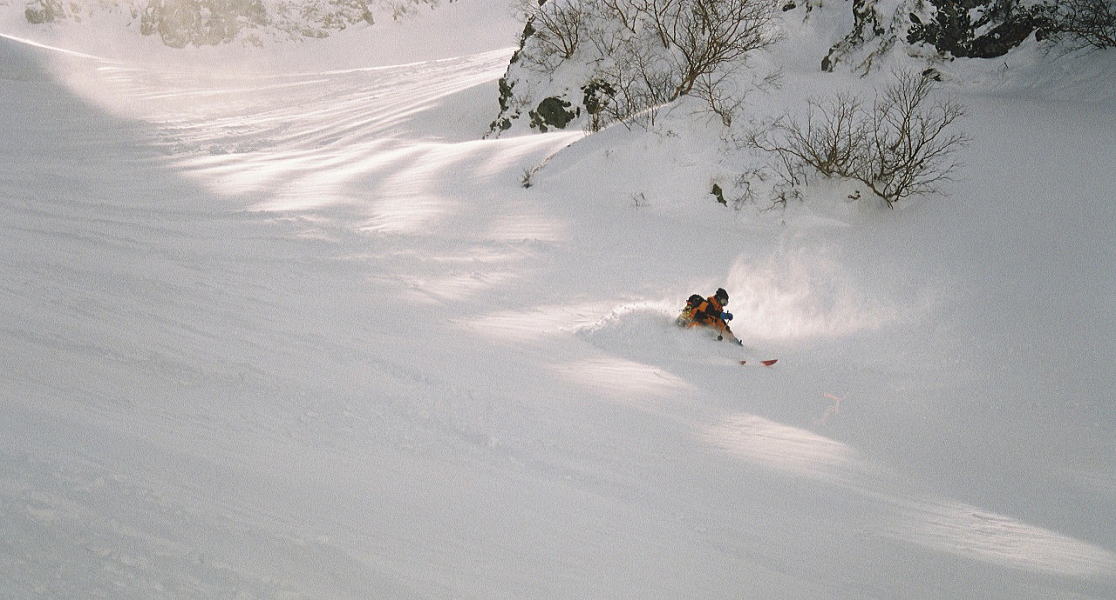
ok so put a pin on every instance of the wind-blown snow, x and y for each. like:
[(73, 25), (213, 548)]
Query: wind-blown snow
[(296, 331)]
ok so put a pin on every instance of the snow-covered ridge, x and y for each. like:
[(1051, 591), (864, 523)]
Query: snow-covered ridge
[(556, 78), (181, 23)]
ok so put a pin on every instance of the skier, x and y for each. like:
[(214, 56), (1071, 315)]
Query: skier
[(709, 312)]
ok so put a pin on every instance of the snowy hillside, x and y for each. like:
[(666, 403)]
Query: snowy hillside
[(291, 329), (194, 23)]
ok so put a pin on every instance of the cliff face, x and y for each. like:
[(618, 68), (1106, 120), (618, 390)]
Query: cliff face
[(975, 28), (951, 28)]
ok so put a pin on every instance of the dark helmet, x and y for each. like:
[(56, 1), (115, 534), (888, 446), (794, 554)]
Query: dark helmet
[(722, 295)]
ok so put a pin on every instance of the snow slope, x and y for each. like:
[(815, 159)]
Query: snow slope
[(296, 332)]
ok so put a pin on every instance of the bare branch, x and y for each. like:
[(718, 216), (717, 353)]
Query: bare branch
[(898, 147)]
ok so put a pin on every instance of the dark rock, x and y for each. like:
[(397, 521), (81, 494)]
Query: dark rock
[(501, 124), (953, 28), (719, 194), (552, 112), (505, 93), (597, 92)]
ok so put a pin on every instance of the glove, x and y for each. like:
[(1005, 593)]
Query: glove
[(726, 316)]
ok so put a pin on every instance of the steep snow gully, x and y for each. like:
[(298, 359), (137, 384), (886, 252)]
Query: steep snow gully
[(302, 335)]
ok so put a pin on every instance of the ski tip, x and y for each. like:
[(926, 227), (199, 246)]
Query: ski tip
[(768, 363)]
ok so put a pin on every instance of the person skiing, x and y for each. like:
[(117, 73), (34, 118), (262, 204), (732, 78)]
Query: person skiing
[(709, 312)]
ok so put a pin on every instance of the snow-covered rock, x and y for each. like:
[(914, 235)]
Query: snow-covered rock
[(945, 28), (546, 88)]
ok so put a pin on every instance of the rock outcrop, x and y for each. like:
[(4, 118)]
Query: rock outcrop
[(949, 28), (551, 84)]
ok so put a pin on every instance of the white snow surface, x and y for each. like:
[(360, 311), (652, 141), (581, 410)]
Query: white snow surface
[(288, 328)]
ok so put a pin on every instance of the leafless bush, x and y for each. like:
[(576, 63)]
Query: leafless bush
[(655, 51), (703, 36), (831, 140), (639, 81), (559, 24), (1092, 21), (899, 146), (711, 90), (624, 13), (911, 145)]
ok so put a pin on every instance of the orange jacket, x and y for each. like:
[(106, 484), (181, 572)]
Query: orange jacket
[(708, 313)]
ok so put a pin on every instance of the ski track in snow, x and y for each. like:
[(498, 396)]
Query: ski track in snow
[(261, 337)]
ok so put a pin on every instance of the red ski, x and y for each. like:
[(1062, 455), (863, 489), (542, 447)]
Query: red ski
[(766, 363)]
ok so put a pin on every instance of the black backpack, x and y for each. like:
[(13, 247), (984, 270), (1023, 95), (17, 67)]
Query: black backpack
[(686, 317)]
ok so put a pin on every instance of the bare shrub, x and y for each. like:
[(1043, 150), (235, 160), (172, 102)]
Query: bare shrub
[(713, 91), (900, 146), (559, 24), (911, 145), (655, 51), (705, 35), (1091, 21), (639, 81), (831, 140)]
